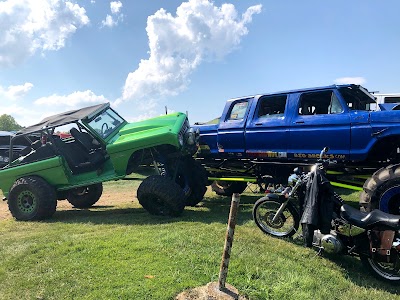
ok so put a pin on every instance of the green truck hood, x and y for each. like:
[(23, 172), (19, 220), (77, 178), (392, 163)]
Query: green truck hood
[(152, 131)]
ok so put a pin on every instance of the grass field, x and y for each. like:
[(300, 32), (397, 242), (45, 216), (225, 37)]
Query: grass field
[(116, 250)]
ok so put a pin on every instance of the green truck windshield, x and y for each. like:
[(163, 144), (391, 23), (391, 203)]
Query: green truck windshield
[(106, 122)]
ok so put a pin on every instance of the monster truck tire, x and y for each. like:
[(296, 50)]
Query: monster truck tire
[(227, 188), (32, 198), (198, 179), (159, 195), (190, 176), (382, 191), (85, 197)]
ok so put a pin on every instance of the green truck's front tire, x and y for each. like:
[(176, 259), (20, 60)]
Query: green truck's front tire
[(86, 196), (160, 195), (32, 198), (197, 181)]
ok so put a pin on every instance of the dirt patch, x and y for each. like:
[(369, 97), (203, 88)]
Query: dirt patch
[(4, 212), (110, 198), (211, 292)]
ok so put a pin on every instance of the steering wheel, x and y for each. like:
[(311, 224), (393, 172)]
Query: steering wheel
[(104, 129)]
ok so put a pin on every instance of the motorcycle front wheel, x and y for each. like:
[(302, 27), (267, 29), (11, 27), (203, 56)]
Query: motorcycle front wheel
[(381, 270), (284, 225)]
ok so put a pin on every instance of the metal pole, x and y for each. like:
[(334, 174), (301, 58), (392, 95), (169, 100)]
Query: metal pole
[(226, 255)]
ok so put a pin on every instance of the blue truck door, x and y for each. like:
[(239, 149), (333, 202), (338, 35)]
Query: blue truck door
[(231, 129), (319, 120), (362, 136), (267, 131)]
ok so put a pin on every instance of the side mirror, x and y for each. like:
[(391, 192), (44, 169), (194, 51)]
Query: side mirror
[(298, 170), (325, 150)]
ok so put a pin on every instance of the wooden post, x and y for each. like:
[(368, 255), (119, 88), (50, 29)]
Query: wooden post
[(226, 255)]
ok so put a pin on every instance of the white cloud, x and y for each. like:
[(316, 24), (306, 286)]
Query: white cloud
[(15, 91), (28, 26), (351, 80), (11, 102), (178, 44), (200, 31), (108, 22), (116, 17), (23, 115), (115, 7), (26, 115), (73, 100)]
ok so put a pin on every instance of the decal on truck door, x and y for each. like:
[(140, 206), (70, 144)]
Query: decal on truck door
[(266, 154)]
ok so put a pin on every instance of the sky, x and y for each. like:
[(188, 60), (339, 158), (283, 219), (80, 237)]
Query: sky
[(189, 56)]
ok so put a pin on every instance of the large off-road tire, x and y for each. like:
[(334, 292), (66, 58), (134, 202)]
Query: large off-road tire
[(190, 175), (198, 180), (227, 188), (382, 191), (86, 196), (32, 198), (159, 195)]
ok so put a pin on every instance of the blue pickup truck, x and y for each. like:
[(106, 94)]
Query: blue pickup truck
[(265, 136)]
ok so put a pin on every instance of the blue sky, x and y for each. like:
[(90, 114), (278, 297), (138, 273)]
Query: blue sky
[(189, 56)]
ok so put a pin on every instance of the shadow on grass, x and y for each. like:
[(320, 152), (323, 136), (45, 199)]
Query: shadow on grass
[(210, 210), (352, 269), (359, 275)]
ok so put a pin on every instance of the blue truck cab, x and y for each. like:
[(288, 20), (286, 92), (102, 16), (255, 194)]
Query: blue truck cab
[(266, 135), (295, 126)]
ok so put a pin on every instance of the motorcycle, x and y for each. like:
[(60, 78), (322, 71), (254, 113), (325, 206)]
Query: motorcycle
[(329, 224)]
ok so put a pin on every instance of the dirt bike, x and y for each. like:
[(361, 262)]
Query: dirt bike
[(374, 236)]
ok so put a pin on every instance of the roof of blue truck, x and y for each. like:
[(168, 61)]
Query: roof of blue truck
[(298, 90)]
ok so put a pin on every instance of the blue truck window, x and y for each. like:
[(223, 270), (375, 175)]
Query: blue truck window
[(356, 99), (335, 107), (272, 106), (391, 100), (319, 103), (238, 111)]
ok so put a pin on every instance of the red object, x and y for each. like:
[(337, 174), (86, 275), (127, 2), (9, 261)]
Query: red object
[(64, 135)]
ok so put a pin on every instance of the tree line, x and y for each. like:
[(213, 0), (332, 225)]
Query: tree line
[(8, 123)]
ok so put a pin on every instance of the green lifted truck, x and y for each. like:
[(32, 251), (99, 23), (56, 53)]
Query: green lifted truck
[(102, 146)]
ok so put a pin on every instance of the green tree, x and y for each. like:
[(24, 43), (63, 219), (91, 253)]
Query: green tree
[(8, 123)]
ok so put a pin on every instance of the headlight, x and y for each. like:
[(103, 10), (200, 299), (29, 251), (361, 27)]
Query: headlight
[(192, 137), (182, 132), (181, 140)]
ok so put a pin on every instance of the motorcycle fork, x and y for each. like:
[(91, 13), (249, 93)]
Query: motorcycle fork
[(280, 210)]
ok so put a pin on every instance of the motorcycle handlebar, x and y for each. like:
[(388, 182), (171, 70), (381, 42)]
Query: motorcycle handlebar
[(301, 176), (325, 150)]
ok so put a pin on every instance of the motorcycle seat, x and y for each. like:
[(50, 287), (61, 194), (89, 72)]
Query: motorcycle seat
[(368, 220)]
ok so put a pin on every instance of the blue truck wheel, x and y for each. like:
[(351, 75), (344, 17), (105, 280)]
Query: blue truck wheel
[(389, 197), (227, 188), (382, 191)]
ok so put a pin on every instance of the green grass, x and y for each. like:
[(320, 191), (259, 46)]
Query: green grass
[(122, 252)]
